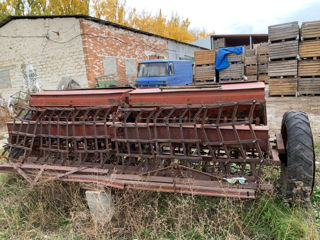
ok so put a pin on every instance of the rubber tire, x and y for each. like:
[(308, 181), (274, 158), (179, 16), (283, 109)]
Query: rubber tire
[(298, 165)]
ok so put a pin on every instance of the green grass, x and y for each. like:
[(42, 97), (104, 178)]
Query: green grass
[(316, 191), (58, 211)]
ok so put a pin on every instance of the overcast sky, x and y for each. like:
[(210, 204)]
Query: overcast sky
[(234, 16)]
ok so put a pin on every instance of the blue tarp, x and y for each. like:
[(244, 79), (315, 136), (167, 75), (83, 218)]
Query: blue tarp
[(222, 56)]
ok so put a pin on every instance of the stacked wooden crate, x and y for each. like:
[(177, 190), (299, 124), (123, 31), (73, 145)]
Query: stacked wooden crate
[(263, 58), (219, 43), (235, 71), (204, 70), (283, 64), (251, 67), (309, 52)]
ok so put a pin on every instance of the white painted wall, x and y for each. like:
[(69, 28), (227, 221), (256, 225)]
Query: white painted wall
[(204, 42), (53, 47), (181, 51)]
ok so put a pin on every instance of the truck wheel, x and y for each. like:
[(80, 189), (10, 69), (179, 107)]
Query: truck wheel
[(298, 166)]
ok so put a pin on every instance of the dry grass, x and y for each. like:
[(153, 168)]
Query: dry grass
[(58, 211), (4, 115)]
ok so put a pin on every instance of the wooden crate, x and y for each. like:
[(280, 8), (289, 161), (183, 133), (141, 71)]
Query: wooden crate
[(204, 57), (310, 30), (283, 87), (309, 68), (309, 86), (283, 49), (204, 73), (250, 60), (309, 49), (283, 31), (283, 68), (236, 57), (263, 78), (252, 78), (251, 70), (233, 72), (219, 43), (250, 52), (263, 68), (263, 59), (263, 49)]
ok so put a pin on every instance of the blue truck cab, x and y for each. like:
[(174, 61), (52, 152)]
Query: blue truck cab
[(164, 72)]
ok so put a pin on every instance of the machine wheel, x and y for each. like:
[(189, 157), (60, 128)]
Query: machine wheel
[(298, 166)]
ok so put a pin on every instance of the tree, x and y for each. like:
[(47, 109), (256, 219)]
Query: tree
[(3, 10), (174, 27), (43, 7), (38, 7), (68, 7), (111, 10)]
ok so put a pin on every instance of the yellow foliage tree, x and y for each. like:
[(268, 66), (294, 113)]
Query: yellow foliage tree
[(3, 10), (111, 10), (11, 7), (38, 7), (174, 27), (67, 7), (43, 7)]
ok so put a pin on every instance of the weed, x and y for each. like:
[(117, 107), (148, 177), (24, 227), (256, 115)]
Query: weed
[(4, 115), (317, 150), (272, 216), (58, 211)]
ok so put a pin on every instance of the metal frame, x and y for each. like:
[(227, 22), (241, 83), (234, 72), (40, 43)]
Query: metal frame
[(172, 148)]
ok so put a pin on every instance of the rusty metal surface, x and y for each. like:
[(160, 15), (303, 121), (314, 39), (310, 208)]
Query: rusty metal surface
[(79, 98), (205, 96), (149, 97), (148, 147), (279, 143), (211, 138), (38, 174)]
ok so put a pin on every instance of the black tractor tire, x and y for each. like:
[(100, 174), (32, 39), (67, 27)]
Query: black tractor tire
[(298, 164)]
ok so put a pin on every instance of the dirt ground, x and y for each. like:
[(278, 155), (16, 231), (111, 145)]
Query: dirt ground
[(277, 106)]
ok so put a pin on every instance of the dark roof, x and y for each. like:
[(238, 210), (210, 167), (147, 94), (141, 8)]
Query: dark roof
[(239, 35), (97, 20), (241, 39)]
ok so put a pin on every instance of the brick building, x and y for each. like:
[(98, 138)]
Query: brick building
[(46, 48)]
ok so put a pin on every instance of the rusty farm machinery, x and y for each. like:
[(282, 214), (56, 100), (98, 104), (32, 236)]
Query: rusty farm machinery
[(200, 140)]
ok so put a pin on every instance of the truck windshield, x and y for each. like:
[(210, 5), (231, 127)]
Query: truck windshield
[(153, 69)]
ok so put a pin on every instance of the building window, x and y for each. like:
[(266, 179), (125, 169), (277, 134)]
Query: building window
[(131, 69), (109, 66), (5, 81), (131, 66)]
